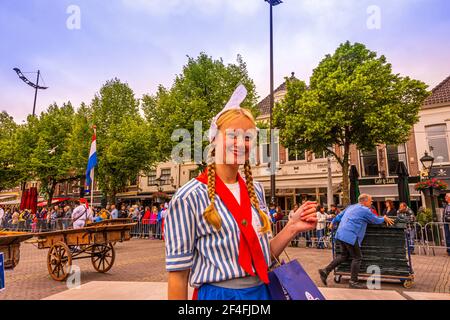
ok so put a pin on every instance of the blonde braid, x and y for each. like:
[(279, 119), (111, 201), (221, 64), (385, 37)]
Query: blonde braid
[(211, 215), (254, 200)]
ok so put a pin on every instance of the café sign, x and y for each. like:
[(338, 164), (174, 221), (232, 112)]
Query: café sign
[(383, 181)]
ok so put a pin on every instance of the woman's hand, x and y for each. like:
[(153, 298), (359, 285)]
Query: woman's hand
[(305, 218)]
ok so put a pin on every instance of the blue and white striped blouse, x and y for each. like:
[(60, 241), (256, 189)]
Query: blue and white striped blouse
[(191, 243)]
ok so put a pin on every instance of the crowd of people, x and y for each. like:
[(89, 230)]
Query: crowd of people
[(150, 219), (76, 214)]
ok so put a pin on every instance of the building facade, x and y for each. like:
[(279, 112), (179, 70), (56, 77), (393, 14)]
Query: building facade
[(299, 176), (432, 132)]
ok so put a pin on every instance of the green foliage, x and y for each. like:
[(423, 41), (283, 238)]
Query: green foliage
[(197, 94), (54, 147), (353, 98), (8, 171), (47, 160), (125, 141), (424, 216)]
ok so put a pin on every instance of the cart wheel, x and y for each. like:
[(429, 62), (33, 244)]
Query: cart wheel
[(103, 257), (408, 284), (337, 278), (59, 261)]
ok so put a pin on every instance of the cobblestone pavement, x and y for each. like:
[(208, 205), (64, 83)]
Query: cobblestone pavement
[(143, 260)]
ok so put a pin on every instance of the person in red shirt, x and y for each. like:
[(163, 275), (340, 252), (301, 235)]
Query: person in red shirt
[(146, 222)]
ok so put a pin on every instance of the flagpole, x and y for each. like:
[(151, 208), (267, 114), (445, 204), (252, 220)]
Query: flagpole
[(92, 187), (93, 171)]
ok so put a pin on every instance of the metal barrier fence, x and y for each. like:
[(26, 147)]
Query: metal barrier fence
[(437, 236), (427, 239), (311, 239), (38, 225), (145, 228)]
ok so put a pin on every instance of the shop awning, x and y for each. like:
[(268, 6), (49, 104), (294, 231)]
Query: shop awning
[(54, 201), (11, 202)]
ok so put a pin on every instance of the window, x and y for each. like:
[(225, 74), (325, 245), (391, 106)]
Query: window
[(322, 155), (319, 155), (134, 181), (165, 177), (152, 178), (193, 174), (395, 154), (296, 156), (437, 142), (369, 163), (265, 151)]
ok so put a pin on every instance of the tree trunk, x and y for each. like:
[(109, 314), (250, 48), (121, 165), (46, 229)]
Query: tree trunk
[(345, 177), (345, 184), (112, 197), (51, 191)]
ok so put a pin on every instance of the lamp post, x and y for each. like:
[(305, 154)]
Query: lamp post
[(272, 3), (427, 162), (36, 85)]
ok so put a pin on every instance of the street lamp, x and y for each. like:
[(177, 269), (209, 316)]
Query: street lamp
[(272, 3), (36, 85), (427, 162)]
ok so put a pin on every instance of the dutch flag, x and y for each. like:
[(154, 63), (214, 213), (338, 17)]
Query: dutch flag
[(92, 162)]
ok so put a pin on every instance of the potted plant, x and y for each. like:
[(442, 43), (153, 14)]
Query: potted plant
[(431, 183)]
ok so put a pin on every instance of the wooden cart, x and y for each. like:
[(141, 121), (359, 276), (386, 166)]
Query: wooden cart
[(10, 246), (93, 242)]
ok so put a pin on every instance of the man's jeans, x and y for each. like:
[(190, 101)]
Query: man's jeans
[(447, 237), (158, 230), (411, 231), (348, 252), (320, 234), (308, 239)]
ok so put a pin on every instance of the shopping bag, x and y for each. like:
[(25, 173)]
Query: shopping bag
[(2, 272), (289, 281)]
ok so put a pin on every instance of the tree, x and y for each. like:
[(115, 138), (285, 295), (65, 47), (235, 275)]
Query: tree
[(197, 94), (78, 144), (125, 141), (353, 98), (8, 171), (46, 158), (24, 143)]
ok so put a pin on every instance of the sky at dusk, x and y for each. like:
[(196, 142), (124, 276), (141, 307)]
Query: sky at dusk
[(146, 42)]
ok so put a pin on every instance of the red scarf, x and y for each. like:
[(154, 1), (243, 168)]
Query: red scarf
[(250, 252)]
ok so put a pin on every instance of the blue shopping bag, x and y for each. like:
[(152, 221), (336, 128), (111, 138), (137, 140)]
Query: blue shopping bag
[(2, 272), (290, 281)]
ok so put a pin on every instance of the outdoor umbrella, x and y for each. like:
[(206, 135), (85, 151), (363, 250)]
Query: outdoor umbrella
[(354, 184), (403, 186)]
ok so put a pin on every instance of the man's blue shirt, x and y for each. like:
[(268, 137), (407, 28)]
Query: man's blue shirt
[(353, 223), (159, 216)]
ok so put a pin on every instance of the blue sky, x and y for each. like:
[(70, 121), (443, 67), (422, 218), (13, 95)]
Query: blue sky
[(145, 42)]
